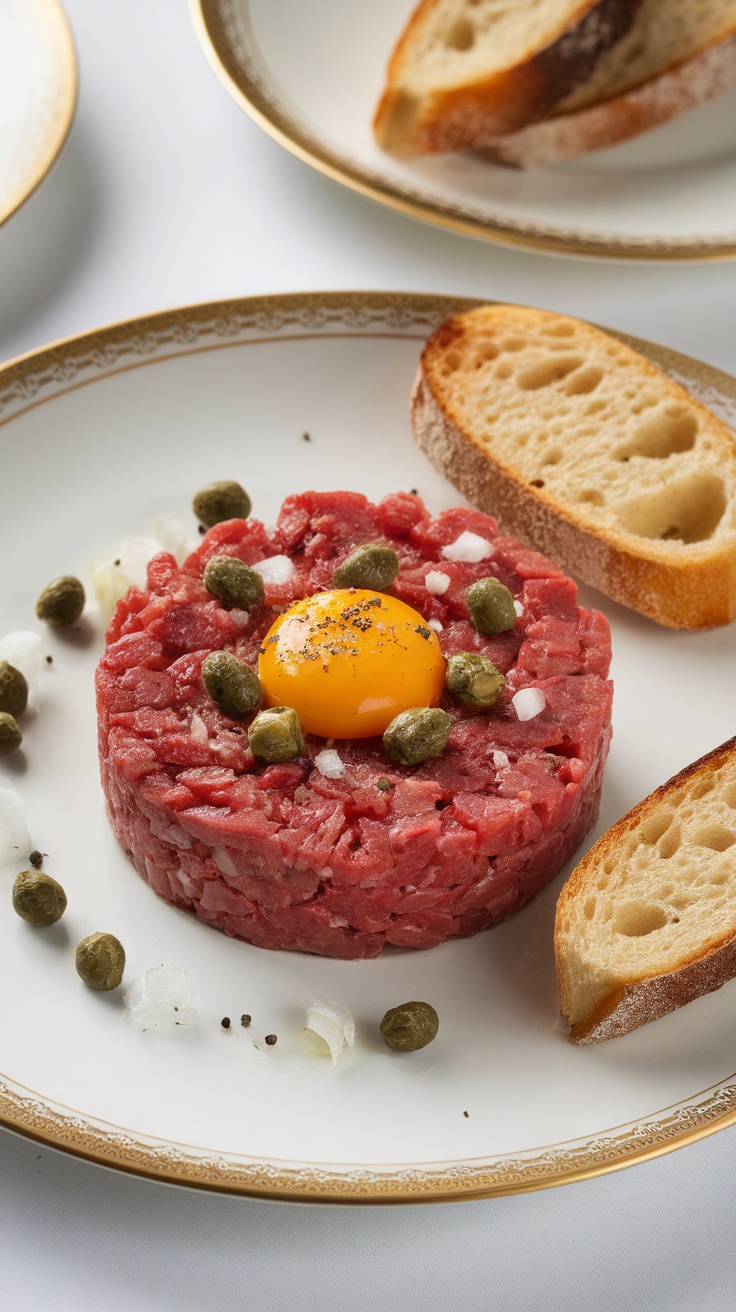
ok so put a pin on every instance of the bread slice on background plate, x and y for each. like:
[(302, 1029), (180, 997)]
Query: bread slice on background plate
[(465, 71), (587, 451), (647, 920), (677, 55)]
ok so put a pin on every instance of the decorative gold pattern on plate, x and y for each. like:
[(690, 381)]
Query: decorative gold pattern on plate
[(53, 110), (38, 377), (224, 30)]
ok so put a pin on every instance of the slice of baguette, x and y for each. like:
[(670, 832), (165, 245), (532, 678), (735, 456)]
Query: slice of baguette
[(587, 451), (465, 71), (647, 920), (665, 66)]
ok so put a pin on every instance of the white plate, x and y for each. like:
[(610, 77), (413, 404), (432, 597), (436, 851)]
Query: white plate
[(38, 93), (311, 75), (98, 436)]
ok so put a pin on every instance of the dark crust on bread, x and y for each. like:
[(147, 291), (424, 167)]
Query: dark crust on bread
[(708, 74), (477, 114), (688, 594), (646, 999)]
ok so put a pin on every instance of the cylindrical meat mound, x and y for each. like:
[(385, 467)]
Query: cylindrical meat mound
[(285, 857)]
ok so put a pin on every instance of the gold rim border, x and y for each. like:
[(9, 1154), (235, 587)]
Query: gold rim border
[(60, 28), (146, 339), (213, 38)]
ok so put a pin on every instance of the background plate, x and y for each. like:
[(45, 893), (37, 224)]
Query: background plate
[(38, 93), (99, 435), (670, 194)]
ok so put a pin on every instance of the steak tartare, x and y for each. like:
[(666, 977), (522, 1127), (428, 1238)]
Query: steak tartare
[(285, 856)]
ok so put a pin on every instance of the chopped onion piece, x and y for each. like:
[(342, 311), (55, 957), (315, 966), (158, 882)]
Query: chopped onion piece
[(160, 999), (15, 843), (275, 570), (198, 728), (469, 547), (112, 576), (437, 625), (332, 1022), (329, 764), (240, 617), (172, 535), (500, 759), (436, 582), (519, 609), (528, 702), (22, 649)]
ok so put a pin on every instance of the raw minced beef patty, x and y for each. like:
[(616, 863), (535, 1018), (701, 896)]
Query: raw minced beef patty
[(286, 858)]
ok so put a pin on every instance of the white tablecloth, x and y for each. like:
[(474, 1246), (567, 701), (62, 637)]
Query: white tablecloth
[(168, 194)]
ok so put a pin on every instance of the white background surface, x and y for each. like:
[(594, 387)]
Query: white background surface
[(167, 194)]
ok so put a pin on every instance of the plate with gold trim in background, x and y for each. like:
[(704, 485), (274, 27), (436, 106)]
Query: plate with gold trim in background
[(311, 76)]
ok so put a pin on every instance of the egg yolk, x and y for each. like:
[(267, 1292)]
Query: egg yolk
[(348, 661)]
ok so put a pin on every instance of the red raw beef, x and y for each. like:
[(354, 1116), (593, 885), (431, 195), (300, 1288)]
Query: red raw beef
[(286, 858)]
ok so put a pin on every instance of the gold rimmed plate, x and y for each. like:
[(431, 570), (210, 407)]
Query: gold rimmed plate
[(311, 76), (38, 94), (100, 435)]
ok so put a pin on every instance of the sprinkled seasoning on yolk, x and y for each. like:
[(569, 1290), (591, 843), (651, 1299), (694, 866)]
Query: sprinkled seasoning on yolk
[(348, 661)]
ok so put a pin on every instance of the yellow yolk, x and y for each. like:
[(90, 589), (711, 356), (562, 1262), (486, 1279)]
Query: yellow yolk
[(348, 661)]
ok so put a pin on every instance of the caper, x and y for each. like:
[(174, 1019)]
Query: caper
[(491, 606), (369, 566), (100, 961), (277, 735), (221, 501), (10, 735), (62, 602), (13, 690), (38, 898), (473, 680), (233, 582), (417, 735), (411, 1026), (231, 684)]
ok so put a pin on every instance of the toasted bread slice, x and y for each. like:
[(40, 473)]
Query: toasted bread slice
[(587, 451), (465, 71), (666, 65), (647, 920)]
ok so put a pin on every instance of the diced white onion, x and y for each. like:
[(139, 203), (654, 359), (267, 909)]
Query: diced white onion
[(436, 582), (198, 728), (170, 532), (23, 650), (113, 575), (161, 998), (469, 547), (275, 570), (519, 609), (15, 843), (437, 625), (240, 617), (528, 702), (331, 1022), (500, 759), (329, 764)]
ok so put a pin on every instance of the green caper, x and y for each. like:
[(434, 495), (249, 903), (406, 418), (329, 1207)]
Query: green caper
[(10, 735), (38, 898), (411, 1026), (13, 690), (473, 680), (369, 566), (277, 735), (231, 684), (221, 501), (100, 961), (233, 582), (417, 735), (491, 606), (62, 602)]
